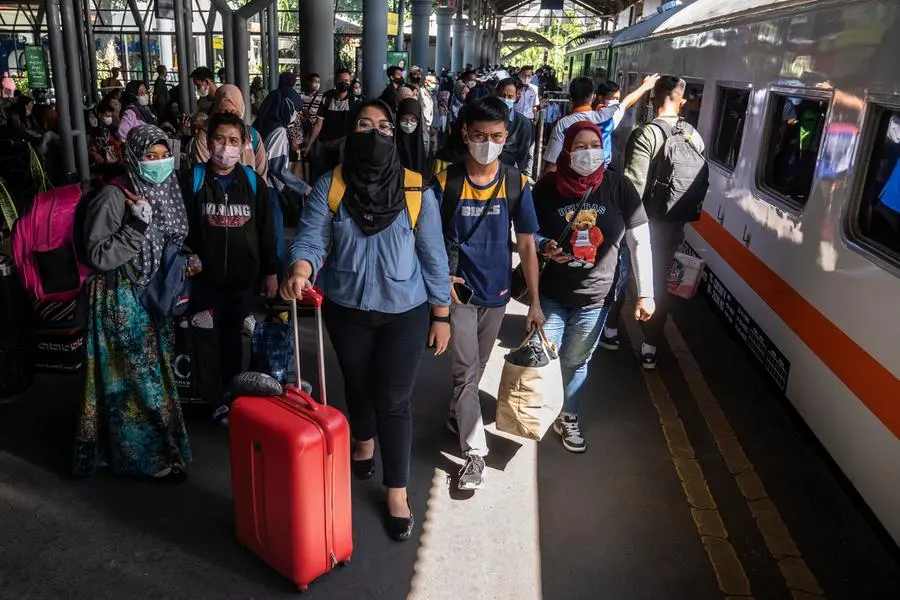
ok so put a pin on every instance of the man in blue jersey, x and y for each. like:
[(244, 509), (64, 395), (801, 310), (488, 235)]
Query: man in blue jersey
[(607, 117), (479, 199)]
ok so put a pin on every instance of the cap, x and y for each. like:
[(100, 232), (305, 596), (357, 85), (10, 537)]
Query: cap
[(415, 68)]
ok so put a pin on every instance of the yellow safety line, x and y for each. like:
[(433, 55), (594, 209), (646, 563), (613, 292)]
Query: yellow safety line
[(781, 545), (729, 571)]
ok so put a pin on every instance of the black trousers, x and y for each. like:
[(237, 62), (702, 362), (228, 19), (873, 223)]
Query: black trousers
[(229, 308), (665, 238), (379, 354)]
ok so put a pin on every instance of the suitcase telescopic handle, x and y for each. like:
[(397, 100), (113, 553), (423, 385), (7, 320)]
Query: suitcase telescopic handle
[(312, 298)]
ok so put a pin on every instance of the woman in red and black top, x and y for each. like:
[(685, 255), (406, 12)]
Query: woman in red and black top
[(584, 212)]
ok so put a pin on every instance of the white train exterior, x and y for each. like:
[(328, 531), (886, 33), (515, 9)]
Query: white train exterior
[(803, 278)]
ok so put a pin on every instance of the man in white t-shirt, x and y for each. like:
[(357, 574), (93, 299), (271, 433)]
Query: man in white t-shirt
[(581, 94)]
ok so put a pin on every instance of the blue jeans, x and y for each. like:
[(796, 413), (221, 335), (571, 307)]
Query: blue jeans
[(575, 331)]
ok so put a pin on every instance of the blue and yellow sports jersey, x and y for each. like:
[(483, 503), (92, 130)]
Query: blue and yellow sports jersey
[(485, 261)]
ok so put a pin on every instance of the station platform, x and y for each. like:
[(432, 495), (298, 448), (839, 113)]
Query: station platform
[(697, 483)]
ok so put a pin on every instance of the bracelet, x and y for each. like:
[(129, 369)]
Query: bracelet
[(436, 319)]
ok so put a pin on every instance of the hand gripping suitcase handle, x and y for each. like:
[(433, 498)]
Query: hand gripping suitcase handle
[(312, 298)]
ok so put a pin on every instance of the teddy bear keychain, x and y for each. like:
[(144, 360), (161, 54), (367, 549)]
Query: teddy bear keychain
[(585, 239)]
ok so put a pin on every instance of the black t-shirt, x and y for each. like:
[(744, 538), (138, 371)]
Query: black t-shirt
[(616, 207)]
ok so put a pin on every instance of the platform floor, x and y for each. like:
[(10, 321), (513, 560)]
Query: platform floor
[(697, 483)]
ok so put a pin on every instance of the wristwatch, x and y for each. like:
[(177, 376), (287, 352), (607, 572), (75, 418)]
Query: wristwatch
[(436, 319)]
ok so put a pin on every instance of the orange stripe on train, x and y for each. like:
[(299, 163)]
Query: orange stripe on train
[(867, 378)]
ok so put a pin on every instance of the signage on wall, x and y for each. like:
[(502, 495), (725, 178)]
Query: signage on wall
[(36, 65), (393, 23)]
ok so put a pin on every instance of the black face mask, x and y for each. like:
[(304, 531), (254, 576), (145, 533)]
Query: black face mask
[(372, 147), (415, 79), (398, 80), (342, 86)]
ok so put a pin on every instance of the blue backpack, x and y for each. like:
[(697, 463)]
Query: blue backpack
[(169, 292), (200, 177)]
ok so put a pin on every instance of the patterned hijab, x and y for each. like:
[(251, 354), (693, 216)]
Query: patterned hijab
[(169, 223)]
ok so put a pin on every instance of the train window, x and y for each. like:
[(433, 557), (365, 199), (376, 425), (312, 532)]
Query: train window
[(730, 117), (878, 212), (794, 134), (693, 96)]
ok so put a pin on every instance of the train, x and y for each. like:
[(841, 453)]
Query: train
[(798, 102)]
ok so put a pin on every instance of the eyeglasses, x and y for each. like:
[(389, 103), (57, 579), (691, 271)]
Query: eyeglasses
[(498, 137), (384, 127)]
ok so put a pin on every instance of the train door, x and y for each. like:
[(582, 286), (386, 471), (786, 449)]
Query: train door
[(586, 66)]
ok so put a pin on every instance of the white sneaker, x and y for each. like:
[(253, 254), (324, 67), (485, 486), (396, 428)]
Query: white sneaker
[(567, 428), (249, 326)]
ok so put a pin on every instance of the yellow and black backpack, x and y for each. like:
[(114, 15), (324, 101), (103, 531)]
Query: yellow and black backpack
[(412, 189)]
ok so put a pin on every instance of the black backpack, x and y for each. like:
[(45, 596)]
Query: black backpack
[(680, 176)]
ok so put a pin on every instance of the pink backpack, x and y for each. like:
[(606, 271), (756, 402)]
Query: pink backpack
[(43, 241)]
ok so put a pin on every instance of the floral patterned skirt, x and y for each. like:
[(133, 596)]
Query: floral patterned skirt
[(130, 418)]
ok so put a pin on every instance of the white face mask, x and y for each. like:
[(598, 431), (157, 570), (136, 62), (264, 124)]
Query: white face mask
[(107, 120), (408, 126), (485, 152), (144, 100), (586, 162), (202, 91), (315, 87), (613, 102)]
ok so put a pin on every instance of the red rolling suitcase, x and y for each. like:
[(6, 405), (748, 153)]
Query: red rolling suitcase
[(290, 474)]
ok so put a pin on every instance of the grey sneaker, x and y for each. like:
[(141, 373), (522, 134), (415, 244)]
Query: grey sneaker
[(568, 430), (471, 476)]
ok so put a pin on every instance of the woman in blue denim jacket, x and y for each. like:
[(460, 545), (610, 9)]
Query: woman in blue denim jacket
[(387, 289)]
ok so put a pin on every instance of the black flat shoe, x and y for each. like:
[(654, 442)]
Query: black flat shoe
[(176, 475), (363, 469), (399, 528)]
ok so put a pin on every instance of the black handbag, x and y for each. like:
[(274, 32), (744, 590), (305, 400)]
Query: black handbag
[(518, 286)]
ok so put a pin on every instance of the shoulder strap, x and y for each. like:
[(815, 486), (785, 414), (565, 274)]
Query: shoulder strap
[(199, 176), (251, 176), (487, 207), (513, 191), (453, 184), (254, 140), (412, 187), (336, 190)]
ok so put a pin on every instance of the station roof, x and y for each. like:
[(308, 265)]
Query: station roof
[(604, 8)]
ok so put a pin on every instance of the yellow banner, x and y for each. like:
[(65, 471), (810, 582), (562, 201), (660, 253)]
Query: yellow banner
[(218, 43), (393, 23)]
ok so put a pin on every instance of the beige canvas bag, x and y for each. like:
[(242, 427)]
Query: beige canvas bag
[(530, 398)]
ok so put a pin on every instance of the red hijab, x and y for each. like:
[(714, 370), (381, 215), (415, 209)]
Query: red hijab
[(570, 184)]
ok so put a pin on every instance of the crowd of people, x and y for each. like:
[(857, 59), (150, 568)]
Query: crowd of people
[(406, 199)]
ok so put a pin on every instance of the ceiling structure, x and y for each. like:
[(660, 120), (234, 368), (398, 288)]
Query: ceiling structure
[(602, 8)]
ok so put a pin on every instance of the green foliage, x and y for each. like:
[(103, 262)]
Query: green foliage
[(557, 31)]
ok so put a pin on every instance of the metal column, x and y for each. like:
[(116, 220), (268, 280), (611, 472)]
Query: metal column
[(76, 95), (60, 86), (184, 82), (210, 27), (399, 42), (318, 55), (227, 38), (241, 62), (272, 20), (442, 43), (145, 41), (374, 46), (83, 53), (264, 48), (189, 55), (421, 15), (478, 20)]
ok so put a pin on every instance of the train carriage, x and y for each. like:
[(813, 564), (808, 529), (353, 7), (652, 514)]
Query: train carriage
[(799, 104)]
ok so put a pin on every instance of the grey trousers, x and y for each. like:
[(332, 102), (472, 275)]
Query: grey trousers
[(473, 331)]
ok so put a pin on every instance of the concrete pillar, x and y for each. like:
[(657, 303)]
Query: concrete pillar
[(469, 46), (60, 86), (242, 59), (399, 42), (421, 16), (442, 44), (459, 43), (374, 47), (318, 57)]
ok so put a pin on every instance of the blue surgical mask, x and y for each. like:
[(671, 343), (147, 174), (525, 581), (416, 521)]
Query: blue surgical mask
[(156, 171), (509, 103)]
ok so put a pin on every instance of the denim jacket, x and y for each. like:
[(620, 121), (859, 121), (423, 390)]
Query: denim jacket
[(392, 271)]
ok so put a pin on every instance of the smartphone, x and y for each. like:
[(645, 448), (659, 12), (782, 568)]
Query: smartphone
[(463, 292)]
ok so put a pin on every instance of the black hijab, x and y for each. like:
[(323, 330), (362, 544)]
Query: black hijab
[(374, 176), (130, 100), (411, 146)]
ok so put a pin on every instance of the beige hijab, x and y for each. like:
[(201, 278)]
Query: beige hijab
[(229, 99)]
